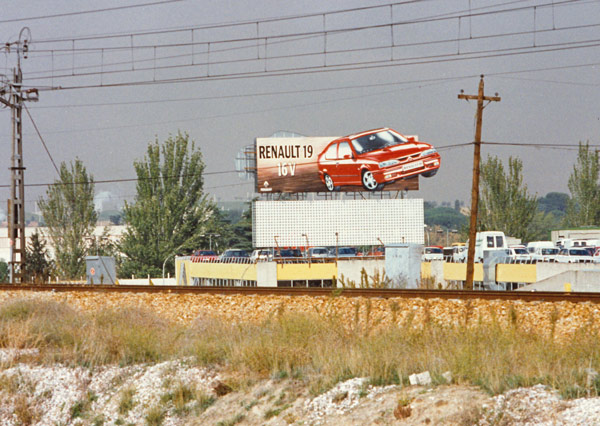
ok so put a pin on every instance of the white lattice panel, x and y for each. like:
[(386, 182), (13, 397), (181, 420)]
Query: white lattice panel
[(356, 222)]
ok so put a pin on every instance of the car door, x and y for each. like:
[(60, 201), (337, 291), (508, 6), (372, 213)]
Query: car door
[(346, 168), (329, 160)]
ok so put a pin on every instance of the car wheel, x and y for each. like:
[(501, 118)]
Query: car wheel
[(430, 173), (329, 183), (369, 182)]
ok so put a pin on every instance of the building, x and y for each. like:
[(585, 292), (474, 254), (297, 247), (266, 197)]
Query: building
[(114, 234)]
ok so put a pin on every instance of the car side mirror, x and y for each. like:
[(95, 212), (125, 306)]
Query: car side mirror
[(411, 139), (347, 156)]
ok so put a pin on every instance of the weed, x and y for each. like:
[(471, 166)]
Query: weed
[(181, 396), (233, 421), (394, 307), (276, 411), (554, 317), (203, 401), (99, 420), (155, 416), (512, 315), (126, 402), (25, 414)]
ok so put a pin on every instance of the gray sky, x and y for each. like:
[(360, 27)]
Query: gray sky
[(543, 61)]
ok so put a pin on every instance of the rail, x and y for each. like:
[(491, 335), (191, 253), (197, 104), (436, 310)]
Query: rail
[(328, 292)]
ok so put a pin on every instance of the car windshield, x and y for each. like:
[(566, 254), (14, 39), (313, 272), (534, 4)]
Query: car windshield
[(346, 250), (319, 251), (549, 251), (376, 141), (433, 250), (579, 252), (205, 253), (521, 251)]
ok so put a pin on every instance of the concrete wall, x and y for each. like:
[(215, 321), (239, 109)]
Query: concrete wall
[(350, 270), (576, 281)]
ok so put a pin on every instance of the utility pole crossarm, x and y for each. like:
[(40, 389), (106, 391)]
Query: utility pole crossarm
[(480, 98), (476, 98)]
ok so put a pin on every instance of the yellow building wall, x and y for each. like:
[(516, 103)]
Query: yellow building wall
[(458, 272), (425, 269), (520, 273), (326, 271), (305, 271), (231, 271)]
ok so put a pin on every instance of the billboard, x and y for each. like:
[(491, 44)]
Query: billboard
[(298, 164), (337, 222)]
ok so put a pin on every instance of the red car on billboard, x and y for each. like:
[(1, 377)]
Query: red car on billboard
[(375, 158)]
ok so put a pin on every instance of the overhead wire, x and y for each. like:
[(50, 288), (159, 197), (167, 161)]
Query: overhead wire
[(285, 18), (353, 66), (87, 12), (294, 37), (35, 75), (439, 148), (41, 139)]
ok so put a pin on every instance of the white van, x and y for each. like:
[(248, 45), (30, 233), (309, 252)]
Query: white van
[(542, 251), (489, 241)]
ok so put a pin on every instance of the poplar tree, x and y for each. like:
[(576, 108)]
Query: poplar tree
[(69, 214), (583, 208), (170, 214), (505, 204), (39, 266)]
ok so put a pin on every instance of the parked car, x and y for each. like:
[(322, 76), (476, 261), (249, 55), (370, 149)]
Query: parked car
[(234, 254), (317, 252), (459, 254), (544, 254), (343, 252), (288, 253), (204, 255), (375, 158), (596, 256), (573, 255), (261, 255), (542, 251), (432, 253), (518, 254)]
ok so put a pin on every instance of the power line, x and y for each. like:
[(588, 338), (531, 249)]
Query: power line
[(439, 148), (352, 66), (257, 94), (126, 179), (42, 139), (86, 12), (421, 84), (450, 15), (392, 45)]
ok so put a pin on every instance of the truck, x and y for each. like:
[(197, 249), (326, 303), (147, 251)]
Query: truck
[(487, 241)]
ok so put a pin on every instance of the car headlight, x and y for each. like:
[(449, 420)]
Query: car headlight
[(388, 163), (428, 152)]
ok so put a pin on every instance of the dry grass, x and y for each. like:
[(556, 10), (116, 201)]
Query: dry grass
[(318, 348)]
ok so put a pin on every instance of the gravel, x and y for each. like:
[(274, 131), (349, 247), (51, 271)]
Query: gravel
[(53, 395)]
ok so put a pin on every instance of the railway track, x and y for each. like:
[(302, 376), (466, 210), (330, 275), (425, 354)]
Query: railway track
[(296, 291)]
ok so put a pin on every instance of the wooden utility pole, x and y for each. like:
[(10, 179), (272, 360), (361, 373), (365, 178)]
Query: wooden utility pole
[(476, 170)]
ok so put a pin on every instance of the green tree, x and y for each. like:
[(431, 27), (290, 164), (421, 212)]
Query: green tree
[(445, 216), (555, 203), (69, 214), (241, 237), (170, 214), (3, 271), (39, 266), (584, 206), (505, 204)]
